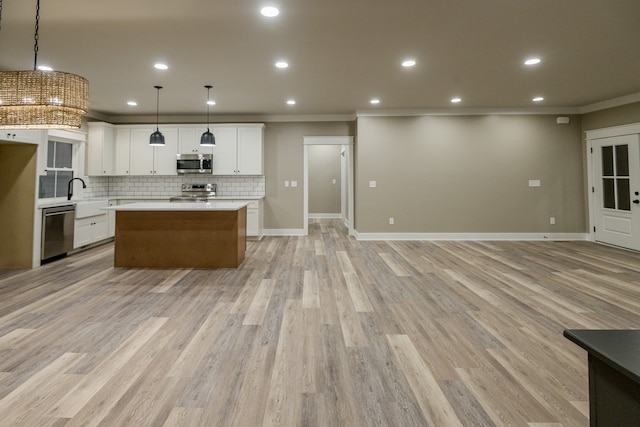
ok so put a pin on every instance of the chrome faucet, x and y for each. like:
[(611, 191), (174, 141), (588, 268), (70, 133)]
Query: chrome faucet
[(69, 188)]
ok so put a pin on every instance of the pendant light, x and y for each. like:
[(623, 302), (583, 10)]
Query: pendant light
[(208, 138), (157, 138), (36, 99)]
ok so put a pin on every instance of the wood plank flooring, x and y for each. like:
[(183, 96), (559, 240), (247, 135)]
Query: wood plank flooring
[(321, 330)]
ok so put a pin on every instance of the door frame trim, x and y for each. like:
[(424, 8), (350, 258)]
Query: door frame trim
[(591, 136)]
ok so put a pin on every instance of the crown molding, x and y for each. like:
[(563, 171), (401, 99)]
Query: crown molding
[(406, 112), (611, 103), (468, 111)]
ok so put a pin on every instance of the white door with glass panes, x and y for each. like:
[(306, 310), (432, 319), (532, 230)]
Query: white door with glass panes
[(616, 188)]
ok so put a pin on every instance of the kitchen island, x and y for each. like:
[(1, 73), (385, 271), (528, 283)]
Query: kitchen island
[(180, 235)]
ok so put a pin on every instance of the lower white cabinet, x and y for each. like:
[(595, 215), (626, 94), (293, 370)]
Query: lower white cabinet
[(90, 229), (254, 217)]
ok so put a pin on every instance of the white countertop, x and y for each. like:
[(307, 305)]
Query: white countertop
[(191, 206), (218, 197)]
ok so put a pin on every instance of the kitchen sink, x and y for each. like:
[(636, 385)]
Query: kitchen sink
[(90, 208)]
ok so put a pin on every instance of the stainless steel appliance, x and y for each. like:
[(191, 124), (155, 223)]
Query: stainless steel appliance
[(194, 163), (196, 193), (57, 231)]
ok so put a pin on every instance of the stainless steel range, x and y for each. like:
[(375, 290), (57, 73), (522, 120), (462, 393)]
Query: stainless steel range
[(196, 193)]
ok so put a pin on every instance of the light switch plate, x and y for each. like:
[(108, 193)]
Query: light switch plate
[(534, 183), (372, 184), (294, 183), (286, 183)]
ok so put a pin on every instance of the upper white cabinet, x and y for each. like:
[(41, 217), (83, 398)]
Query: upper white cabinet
[(100, 153), (121, 151), (146, 159), (125, 149), (189, 141), (22, 135), (238, 150)]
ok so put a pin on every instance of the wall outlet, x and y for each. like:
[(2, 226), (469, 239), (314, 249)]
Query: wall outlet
[(372, 184), (294, 183), (333, 181), (552, 220), (534, 183), (392, 221), (286, 183)]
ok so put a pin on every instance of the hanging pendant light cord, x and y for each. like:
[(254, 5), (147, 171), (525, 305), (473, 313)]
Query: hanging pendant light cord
[(35, 44), (208, 89), (158, 107)]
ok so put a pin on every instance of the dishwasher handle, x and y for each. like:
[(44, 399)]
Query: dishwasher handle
[(58, 210)]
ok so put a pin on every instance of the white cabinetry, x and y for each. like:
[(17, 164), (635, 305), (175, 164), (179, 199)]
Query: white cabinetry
[(254, 217), (189, 141), (22, 135), (90, 230), (121, 151), (149, 160), (100, 149), (91, 224), (238, 150)]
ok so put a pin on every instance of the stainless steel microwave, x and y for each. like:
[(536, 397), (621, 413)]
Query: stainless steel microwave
[(194, 163)]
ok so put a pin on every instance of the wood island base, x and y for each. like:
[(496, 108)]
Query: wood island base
[(180, 239)]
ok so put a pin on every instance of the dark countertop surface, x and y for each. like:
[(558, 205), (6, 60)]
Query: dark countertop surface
[(620, 349)]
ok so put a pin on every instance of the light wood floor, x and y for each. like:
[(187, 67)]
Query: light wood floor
[(314, 331)]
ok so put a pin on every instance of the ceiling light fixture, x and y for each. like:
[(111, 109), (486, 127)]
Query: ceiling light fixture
[(157, 138), (208, 138), (38, 99), (408, 63), (375, 101), (538, 99), (282, 64), (160, 66), (456, 100), (132, 103), (291, 102), (269, 11), (532, 61)]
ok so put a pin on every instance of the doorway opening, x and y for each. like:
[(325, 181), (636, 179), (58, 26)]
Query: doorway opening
[(346, 166)]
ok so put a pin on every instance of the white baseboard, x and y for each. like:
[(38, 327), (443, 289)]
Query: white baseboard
[(472, 236), (284, 232), (325, 216)]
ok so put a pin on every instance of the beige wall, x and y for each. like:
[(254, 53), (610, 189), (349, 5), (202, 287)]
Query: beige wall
[(469, 174), (324, 167), (283, 161), (622, 115), (17, 198)]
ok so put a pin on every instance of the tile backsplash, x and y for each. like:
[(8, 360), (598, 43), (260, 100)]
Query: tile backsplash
[(160, 186)]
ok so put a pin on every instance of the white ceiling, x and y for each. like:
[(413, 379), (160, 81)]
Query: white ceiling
[(341, 53)]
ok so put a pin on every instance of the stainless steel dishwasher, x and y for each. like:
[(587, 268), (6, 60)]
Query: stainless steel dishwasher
[(57, 230)]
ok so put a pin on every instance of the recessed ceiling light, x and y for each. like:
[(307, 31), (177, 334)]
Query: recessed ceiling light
[(408, 63), (282, 64), (456, 100), (375, 101), (538, 99), (532, 61), (44, 68), (211, 102), (291, 101), (132, 103), (269, 11), (160, 66)]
